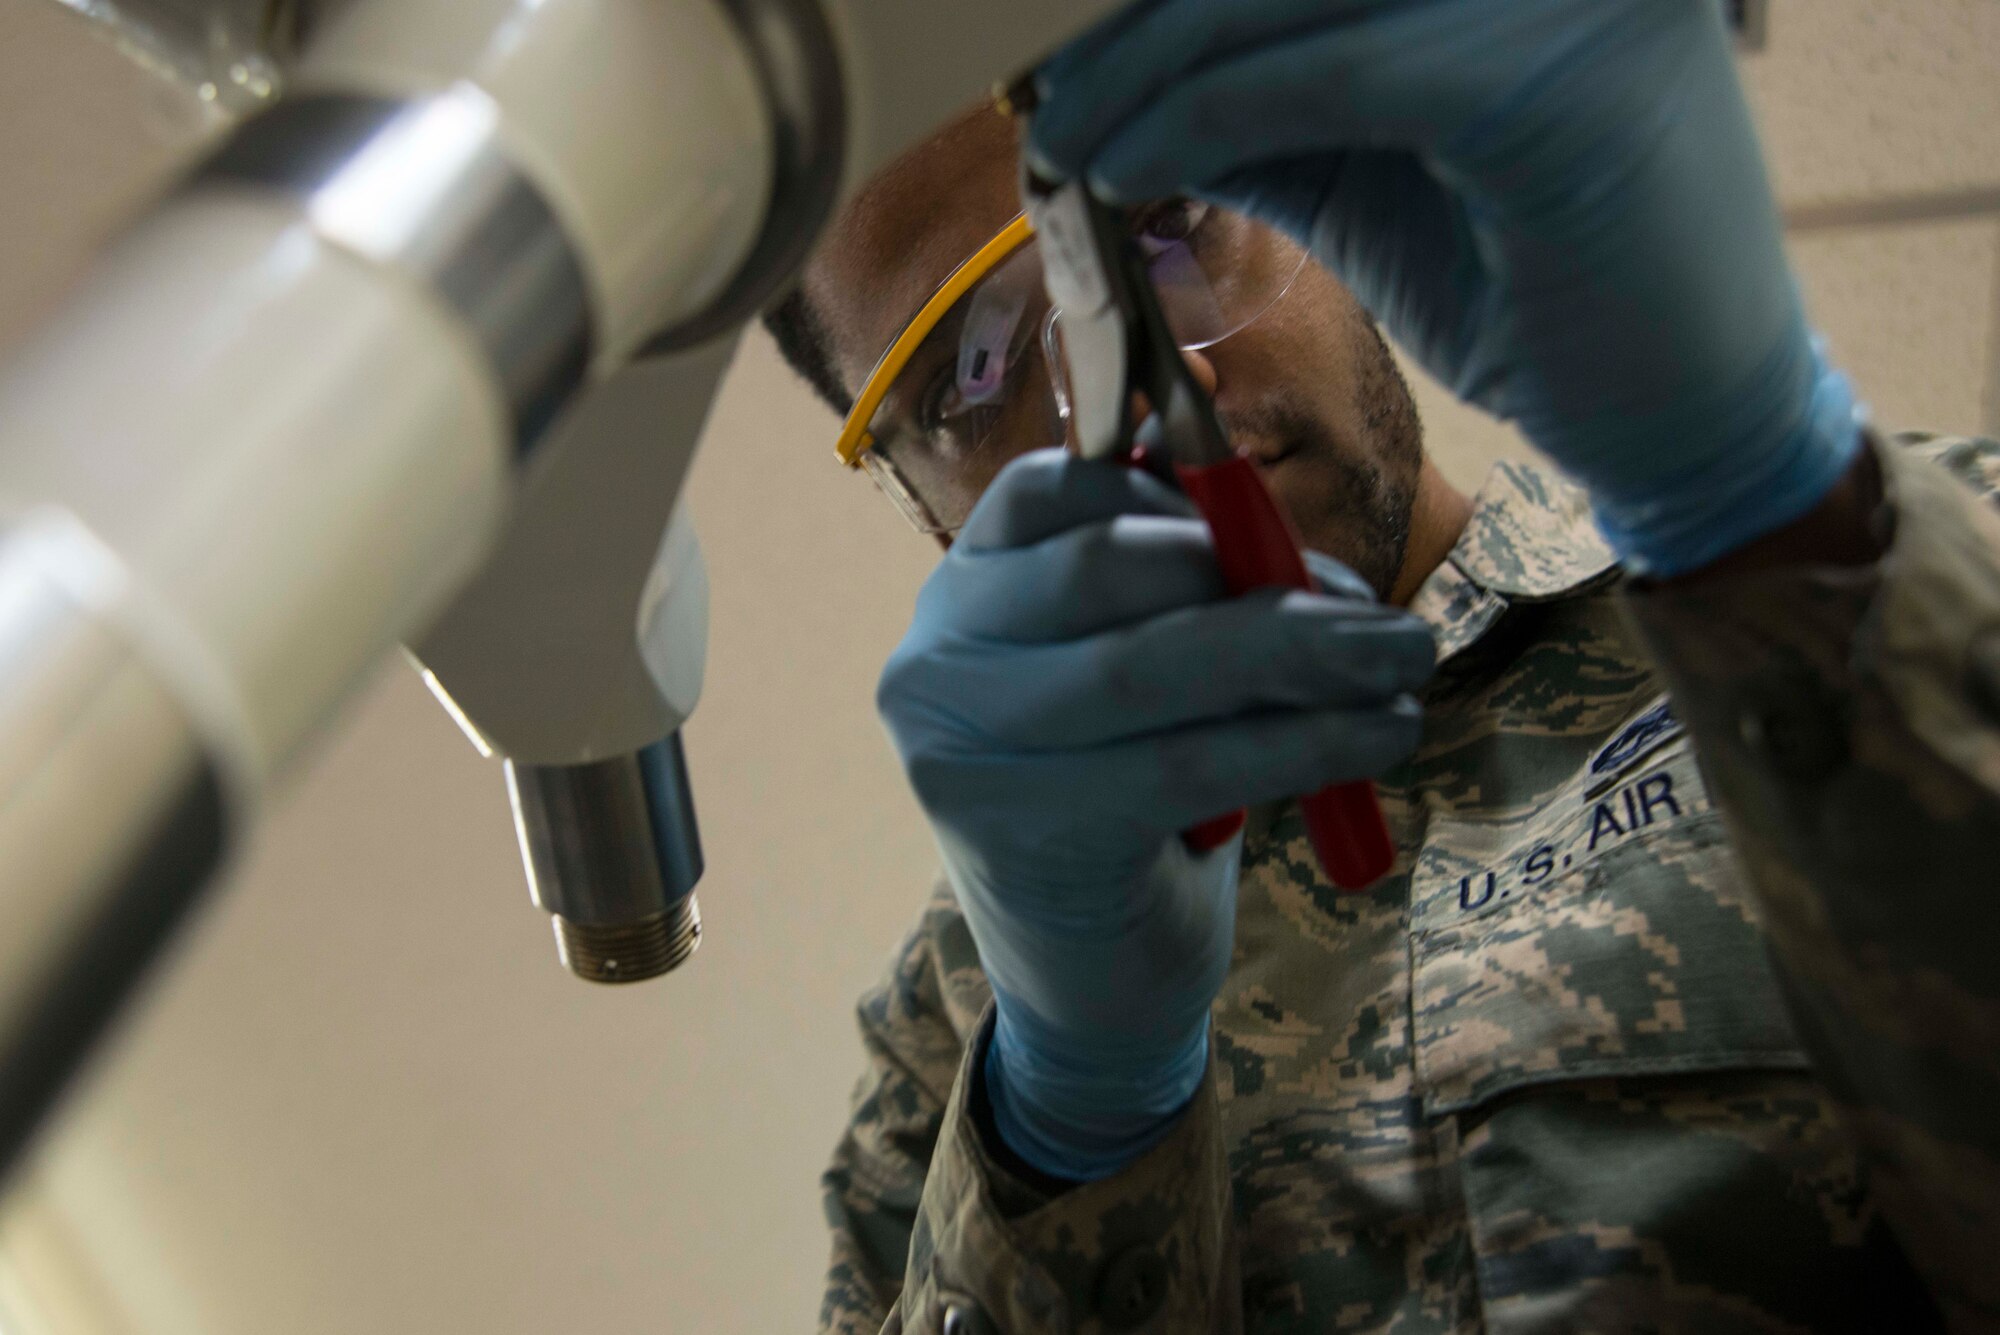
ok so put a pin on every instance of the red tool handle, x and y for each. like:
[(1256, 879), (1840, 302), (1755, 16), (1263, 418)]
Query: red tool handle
[(1257, 549)]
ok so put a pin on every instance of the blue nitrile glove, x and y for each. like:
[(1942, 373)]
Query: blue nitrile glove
[(1558, 206), (1076, 688)]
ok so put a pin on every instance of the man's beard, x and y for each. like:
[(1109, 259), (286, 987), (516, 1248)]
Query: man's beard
[(1363, 492)]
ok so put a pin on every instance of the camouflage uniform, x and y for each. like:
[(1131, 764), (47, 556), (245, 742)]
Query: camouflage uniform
[(1545, 1076)]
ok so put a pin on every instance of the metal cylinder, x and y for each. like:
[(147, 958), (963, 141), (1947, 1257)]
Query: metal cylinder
[(613, 854), (630, 952)]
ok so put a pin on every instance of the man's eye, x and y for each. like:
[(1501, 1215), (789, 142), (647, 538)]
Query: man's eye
[(941, 403), (949, 423)]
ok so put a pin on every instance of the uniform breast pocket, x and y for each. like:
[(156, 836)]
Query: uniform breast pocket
[(1600, 1034), (1617, 938)]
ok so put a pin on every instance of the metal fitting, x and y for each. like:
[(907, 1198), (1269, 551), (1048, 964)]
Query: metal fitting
[(613, 853)]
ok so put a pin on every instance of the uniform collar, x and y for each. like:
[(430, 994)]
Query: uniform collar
[(1530, 539)]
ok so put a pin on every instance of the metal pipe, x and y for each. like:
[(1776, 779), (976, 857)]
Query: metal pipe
[(613, 855)]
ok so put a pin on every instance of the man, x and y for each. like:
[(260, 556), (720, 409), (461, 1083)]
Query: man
[(1544, 1076)]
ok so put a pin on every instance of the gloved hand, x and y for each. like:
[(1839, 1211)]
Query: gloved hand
[(1558, 206), (1075, 689)]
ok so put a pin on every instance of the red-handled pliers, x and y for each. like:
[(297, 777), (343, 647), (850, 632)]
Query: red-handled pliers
[(1115, 343)]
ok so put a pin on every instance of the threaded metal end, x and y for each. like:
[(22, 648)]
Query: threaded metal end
[(630, 952)]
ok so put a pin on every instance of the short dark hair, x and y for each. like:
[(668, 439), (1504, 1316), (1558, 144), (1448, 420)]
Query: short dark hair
[(807, 348)]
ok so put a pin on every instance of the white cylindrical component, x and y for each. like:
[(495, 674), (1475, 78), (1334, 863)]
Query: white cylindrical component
[(110, 812), (295, 456), (93, 750), (642, 122)]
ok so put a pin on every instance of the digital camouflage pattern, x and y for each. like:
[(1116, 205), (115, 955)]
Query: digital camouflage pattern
[(1542, 1077), (1852, 722)]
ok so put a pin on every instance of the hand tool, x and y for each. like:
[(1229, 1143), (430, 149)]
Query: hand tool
[(1116, 348)]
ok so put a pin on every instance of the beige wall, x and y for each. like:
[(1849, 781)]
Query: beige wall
[(365, 1099)]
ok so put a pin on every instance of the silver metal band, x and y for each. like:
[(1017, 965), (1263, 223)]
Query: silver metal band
[(427, 187), (613, 853), (792, 48)]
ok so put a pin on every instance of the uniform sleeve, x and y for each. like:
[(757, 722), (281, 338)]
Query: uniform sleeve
[(876, 1179), (1146, 1251), (932, 1234), (1849, 723)]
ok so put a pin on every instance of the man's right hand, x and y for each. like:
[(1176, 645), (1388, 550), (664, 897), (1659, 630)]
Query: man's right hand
[(1075, 689)]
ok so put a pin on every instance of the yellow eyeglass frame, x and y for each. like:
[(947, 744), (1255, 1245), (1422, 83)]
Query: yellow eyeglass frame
[(855, 438)]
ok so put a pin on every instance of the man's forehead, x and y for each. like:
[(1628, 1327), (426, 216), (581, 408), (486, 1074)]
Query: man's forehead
[(906, 230)]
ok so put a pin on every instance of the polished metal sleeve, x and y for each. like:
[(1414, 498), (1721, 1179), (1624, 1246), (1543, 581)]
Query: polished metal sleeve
[(427, 187), (613, 853)]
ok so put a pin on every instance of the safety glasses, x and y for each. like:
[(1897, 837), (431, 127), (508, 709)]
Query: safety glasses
[(976, 378)]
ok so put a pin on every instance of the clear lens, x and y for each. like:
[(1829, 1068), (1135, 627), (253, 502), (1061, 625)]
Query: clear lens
[(1216, 271), (980, 390), (973, 396), (890, 480)]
